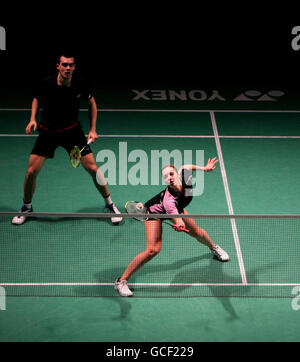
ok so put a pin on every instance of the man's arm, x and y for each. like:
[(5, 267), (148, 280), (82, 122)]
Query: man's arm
[(92, 107), (34, 113)]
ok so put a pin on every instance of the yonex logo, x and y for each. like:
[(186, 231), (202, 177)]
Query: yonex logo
[(2, 38), (172, 95), (201, 95)]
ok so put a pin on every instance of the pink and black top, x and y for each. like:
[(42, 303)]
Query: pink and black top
[(169, 201)]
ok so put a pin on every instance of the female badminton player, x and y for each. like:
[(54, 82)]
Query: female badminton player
[(173, 200)]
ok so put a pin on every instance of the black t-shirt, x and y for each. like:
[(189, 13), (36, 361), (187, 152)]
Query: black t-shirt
[(169, 201), (60, 103)]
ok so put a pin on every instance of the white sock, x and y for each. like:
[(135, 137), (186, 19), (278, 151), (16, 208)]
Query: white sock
[(108, 200), (28, 206)]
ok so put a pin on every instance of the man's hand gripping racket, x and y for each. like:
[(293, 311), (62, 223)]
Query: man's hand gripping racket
[(75, 154), (134, 207)]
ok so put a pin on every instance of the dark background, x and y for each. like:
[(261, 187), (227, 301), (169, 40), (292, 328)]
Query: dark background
[(185, 47)]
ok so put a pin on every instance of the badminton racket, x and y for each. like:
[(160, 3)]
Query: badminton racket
[(134, 207), (75, 154)]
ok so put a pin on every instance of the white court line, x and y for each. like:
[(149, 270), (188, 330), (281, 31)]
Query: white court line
[(268, 137), (157, 284), (195, 110), (163, 136), (169, 110), (228, 198), (121, 135)]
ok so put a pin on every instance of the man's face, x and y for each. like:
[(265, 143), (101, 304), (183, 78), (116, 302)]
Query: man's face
[(66, 67)]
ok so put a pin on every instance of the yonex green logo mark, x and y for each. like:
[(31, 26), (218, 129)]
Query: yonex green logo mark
[(255, 95), (2, 38)]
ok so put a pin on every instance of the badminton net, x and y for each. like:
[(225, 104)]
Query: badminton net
[(58, 254)]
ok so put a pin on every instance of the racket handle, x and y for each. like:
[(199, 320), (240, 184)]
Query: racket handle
[(88, 142), (180, 228)]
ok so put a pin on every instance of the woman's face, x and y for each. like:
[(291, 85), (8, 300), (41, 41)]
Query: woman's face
[(170, 176)]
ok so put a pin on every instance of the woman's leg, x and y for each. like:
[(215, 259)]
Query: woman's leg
[(195, 231), (153, 238), (202, 236)]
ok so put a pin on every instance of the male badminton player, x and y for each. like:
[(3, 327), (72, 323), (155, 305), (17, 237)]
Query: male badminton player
[(172, 200), (60, 96)]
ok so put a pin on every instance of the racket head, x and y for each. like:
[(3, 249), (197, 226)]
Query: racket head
[(135, 207), (75, 156)]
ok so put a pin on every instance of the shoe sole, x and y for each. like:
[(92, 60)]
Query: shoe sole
[(17, 222), (224, 261), (22, 216), (116, 222), (125, 296)]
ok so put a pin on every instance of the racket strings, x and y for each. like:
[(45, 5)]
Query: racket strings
[(134, 207), (75, 156)]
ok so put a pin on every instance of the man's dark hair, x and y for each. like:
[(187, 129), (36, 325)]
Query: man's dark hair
[(67, 54)]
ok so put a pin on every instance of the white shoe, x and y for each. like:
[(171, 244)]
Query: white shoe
[(113, 209), (19, 220), (219, 253), (122, 287)]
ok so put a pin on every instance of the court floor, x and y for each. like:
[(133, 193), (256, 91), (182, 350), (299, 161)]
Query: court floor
[(180, 295)]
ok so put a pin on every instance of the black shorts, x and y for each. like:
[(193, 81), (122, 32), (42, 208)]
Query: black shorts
[(48, 141)]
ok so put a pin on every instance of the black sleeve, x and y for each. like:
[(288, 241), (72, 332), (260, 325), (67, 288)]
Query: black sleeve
[(187, 181), (86, 90), (187, 177), (37, 90), (39, 87), (157, 199)]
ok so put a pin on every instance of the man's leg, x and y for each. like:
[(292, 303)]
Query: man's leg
[(35, 164), (88, 162)]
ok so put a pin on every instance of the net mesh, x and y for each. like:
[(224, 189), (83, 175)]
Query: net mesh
[(83, 254)]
